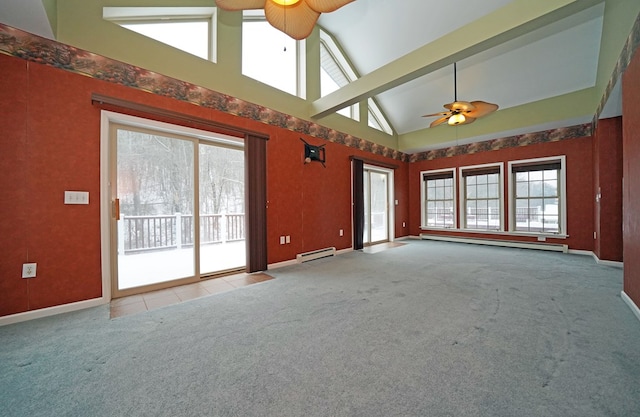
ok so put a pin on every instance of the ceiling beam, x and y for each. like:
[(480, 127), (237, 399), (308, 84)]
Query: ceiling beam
[(502, 25)]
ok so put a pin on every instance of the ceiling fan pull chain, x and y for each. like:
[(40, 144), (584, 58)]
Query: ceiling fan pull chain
[(455, 84)]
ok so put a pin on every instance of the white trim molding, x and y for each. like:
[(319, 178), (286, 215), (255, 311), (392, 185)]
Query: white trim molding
[(52, 311), (634, 308), (556, 247)]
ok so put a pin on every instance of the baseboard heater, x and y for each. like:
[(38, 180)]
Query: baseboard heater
[(316, 254), (557, 247)]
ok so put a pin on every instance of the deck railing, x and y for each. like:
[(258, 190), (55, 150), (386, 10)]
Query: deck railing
[(147, 233)]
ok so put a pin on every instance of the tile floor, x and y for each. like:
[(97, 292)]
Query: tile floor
[(381, 246), (155, 299), (148, 301)]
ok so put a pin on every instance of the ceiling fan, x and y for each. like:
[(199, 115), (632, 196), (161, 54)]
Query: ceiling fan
[(296, 18), (462, 112)]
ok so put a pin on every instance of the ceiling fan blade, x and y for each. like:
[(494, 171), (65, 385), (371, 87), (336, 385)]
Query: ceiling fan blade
[(482, 108), (296, 21), (240, 4), (326, 6), (442, 113), (467, 120), (460, 106), (439, 121)]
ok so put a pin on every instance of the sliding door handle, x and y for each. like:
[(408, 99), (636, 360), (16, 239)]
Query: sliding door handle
[(116, 209)]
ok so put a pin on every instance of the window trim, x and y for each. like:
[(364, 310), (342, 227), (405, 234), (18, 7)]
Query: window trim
[(423, 198), (376, 119), (562, 197), (463, 195), (342, 64), (124, 15), (257, 15)]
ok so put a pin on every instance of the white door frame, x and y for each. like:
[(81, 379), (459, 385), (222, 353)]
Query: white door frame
[(390, 198)]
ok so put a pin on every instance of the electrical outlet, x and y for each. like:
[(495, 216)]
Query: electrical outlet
[(282, 240), (288, 239), (341, 232), (29, 270)]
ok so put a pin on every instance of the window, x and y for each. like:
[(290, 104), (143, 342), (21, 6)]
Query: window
[(538, 196), (190, 29), (481, 197), (336, 72), (376, 119), (333, 76), (438, 196), (270, 56)]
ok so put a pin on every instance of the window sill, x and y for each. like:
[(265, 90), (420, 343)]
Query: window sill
[(495, 232)]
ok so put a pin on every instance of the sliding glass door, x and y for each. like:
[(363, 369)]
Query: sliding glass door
[(376, 206), (165, 187), (222, 208)]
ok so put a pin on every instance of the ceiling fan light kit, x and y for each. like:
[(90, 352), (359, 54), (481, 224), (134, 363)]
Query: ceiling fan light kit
[(456, 119), (296, 18), (286, 2), (461, 112)]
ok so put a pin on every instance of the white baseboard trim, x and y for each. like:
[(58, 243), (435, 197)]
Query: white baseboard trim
[(615, 264), (282, 264), (295, 261), (343, 251), (581, 252), (52, 311), (504, 243), (599, 261), (634, 308)]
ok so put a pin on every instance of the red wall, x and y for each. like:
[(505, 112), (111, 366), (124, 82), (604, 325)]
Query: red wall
[(631, 174), (607, 181), (579, 165), (50, 143)]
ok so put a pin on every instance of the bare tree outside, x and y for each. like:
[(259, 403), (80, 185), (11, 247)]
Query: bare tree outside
[(156, 189)]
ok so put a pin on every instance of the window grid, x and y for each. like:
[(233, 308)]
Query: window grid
[(439, 202), (537, 200), (482, 201)]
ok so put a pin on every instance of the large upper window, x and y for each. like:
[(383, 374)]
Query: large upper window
[(538, 196), (481, 197), (270, 56), (337, 72), (438, 197), (334, 75), (190, 29)]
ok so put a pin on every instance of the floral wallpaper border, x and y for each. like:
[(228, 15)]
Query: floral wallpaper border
[(630, 46), (44, 51), (553, 135)]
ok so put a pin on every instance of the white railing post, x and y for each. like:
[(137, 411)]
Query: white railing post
[(178, 230), (223, 227), (121, 236)]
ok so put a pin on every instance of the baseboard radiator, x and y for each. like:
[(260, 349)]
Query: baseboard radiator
[(557, 247), (316, 254)]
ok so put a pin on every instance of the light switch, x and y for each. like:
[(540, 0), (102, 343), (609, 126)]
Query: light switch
[(76, 197)]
